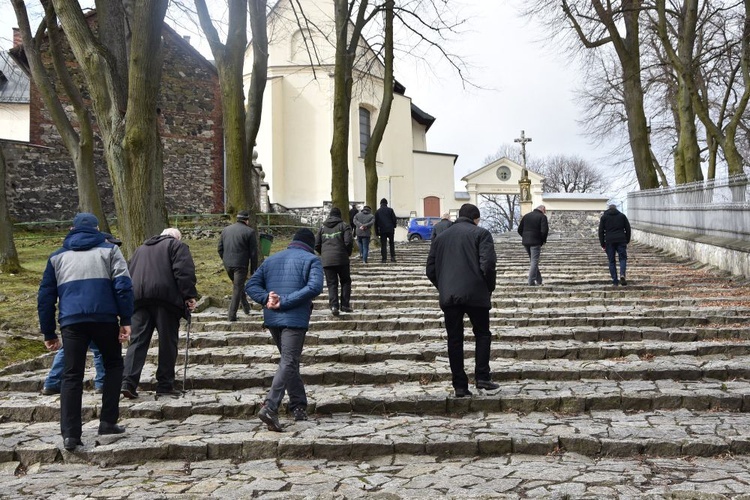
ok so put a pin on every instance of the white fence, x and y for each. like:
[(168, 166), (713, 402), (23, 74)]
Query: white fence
[(719, 207)]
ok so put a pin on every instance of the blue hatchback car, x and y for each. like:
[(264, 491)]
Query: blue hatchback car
[(420, 228)]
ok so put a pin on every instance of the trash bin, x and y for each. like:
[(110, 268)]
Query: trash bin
[(265, 243)]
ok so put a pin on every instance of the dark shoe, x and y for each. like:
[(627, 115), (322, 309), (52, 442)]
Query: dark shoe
[(232, 318), (347, 309), (299, 414), (393, 260), (169, 392), (270, 418), (623, 281), (71, 443), (246, 310), (50, 391), (384, 261), (107, 428), (462, 393), (487, 384), (129, 393), (335, 311)]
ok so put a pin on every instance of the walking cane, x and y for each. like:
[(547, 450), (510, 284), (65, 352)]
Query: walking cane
[(187, 350)]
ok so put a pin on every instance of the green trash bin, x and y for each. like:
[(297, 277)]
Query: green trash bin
[(265, 243)]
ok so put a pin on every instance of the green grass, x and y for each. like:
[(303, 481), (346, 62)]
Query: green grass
[(19, 323)]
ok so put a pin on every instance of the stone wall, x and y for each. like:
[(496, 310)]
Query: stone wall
[(41, 183), (581, 223)]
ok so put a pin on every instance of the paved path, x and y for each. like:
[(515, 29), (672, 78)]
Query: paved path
[(631, 392)]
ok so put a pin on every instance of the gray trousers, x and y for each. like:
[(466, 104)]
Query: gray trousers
[(535, 276), (289, 341)]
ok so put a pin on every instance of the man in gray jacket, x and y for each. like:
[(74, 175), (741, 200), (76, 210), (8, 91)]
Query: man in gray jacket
[(238, 249), (362, 226)]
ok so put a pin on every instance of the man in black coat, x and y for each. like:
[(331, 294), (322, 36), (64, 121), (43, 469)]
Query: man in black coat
[(238, 249), (443, 224), (461, 264), (385, 227), (614, 236), (164, 281), (533, 230), (334, 243)]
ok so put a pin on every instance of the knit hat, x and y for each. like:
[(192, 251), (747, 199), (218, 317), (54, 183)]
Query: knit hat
[(469, 211), (85, 220), (335, 212), (243, 215), (305, 236), (383, 201)]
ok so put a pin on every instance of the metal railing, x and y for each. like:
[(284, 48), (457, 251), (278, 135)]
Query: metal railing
[(716, 207)]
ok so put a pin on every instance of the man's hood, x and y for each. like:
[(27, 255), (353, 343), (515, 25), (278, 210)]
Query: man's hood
[(83, 238), (332, 221), (612, 211), (367, 210), (156, 239)]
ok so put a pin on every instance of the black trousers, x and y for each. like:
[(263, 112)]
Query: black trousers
[(145, 319), (238, 275), (454, 326), (334, 274), (76, 339), (387, 237)]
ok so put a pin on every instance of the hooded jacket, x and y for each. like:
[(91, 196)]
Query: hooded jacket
[(296, 275), (89, 281), (534, 228), (385, 220), (334, 242), (614, 227), (363, 221), (461, 264), (163, 274)]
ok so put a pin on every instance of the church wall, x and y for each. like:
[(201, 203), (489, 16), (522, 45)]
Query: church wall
[(419, 136), (14, 121), (435, 178)]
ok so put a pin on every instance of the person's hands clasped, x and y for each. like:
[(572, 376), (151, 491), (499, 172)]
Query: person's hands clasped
[(124, 334), (274, 301)]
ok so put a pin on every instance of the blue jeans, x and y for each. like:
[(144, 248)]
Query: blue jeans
[(621, 250), (364, 247), (289, 341), (535, 276), (54, 378)]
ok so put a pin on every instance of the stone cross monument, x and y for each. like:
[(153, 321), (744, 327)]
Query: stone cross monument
[(525, 183)]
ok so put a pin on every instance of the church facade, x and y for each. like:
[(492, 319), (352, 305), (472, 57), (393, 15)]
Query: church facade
[(294, 141)]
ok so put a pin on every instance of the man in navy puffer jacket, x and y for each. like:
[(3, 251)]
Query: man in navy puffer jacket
[(285, 285)]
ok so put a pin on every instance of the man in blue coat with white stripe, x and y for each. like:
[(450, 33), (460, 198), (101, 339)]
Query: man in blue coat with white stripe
[(285, 285), (89, 282)]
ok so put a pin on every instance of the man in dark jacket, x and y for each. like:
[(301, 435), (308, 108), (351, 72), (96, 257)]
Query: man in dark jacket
[(286, 284), (352, 212), (238, 249), (88, 279), (385, 227), (443, 224), (614, 237), (164, 286), (461, 264), (533, 230), (334, 244)]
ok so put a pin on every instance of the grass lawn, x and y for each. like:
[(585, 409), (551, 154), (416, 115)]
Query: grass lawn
[(20, 337)]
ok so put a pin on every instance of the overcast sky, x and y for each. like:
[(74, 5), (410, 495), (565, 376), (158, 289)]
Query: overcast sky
[(525, 85)]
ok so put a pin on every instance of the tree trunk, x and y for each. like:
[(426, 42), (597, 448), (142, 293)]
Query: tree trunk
[(132, 146), (259, 29), (8, 254), (371, 170)]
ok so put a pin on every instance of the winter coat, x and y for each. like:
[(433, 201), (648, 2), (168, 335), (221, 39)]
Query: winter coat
[(385, 220), (363, 221), (534, 228), (296, 275), (334, 242), (352, 213), (614, 227), (163, 274), (461, 264), (238, 246), (441, 226), (88, 279)]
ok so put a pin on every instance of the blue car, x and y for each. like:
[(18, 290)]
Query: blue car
[(420, 228)]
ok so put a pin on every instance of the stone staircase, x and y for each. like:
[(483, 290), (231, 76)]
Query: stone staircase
[(658, 368)]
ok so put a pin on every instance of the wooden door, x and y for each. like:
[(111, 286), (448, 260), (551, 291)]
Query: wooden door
[(432, 206)]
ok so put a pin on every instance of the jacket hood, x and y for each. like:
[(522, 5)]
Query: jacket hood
[(332, 221), (83, 238), (156, 239), (611, 211), (367, 210)]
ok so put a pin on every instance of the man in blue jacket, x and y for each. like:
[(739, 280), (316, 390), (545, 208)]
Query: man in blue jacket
[(285, 285), (88, 279)]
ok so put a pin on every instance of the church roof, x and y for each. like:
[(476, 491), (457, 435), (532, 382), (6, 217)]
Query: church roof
[(422, 117), (14, 82)]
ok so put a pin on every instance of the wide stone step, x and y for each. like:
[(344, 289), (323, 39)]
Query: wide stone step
[(570, 397), (610, 433)]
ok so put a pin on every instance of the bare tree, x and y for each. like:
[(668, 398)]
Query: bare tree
[(80, 143), (8, 255), (500, 213), (570, 174)]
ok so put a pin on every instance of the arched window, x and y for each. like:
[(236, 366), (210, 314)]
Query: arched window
[(301, 43), (364, 130)]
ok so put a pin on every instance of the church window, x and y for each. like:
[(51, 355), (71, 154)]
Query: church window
[(364, 130), (503, 173)]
